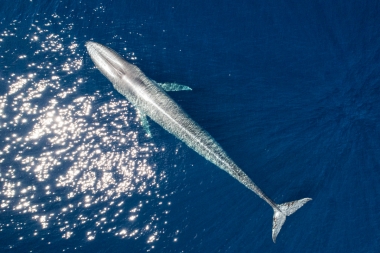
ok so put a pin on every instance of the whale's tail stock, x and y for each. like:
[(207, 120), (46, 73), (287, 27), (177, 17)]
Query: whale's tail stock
[(285, 209)]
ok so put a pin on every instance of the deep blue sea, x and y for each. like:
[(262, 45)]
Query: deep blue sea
[(290, 90)]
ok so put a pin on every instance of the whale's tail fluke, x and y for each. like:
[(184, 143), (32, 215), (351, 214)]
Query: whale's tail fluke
[(285, 209)]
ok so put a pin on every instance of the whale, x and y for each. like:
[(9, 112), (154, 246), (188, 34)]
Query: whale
[(152, 100)]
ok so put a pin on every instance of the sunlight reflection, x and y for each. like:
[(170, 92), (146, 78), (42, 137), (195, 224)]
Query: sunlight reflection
[(64, 151)]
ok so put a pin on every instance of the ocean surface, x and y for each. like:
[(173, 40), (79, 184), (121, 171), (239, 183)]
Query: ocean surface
[(290, 90)]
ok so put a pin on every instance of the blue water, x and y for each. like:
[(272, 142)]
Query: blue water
[(290, 90)]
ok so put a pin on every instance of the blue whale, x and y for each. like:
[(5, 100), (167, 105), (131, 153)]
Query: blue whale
[(151, 100)]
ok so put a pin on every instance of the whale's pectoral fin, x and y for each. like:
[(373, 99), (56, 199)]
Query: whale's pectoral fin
[(286, 209), (173, 86), (145, 123)]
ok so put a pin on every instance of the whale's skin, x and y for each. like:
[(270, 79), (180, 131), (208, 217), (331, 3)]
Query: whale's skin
[(154, 102)]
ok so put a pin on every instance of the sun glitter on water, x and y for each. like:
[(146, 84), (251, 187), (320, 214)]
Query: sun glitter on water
[(63, 150)]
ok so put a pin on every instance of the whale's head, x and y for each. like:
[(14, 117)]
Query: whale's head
[(112, 65)]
